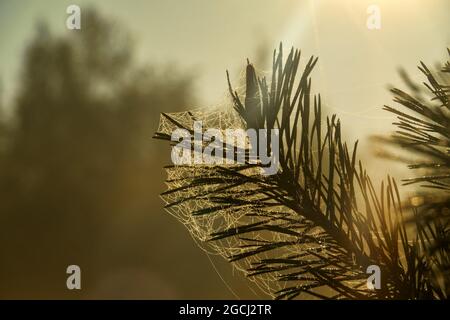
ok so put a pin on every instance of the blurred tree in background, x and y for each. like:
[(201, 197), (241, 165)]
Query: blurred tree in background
[(80, 176)]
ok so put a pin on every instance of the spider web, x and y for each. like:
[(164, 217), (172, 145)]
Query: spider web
[(197, 207)]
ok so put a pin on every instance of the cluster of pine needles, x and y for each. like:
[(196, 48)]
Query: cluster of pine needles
[(312, 229)]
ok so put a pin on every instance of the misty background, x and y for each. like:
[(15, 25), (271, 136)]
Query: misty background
[(79, 173)]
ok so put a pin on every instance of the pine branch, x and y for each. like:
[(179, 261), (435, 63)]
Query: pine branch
[(423, 129), (313, 228)]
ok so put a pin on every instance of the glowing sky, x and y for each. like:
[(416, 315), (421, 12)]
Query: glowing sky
[(355, 64)]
